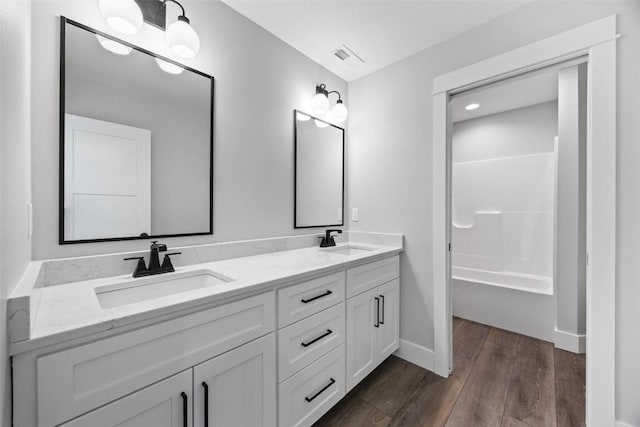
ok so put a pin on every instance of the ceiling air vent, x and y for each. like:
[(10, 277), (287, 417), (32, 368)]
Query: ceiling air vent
[(346, 55)]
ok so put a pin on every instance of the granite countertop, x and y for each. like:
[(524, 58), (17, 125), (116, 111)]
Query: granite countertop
[(70, 311)]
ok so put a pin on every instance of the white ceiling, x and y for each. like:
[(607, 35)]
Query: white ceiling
[(381, 32), (517, 92)]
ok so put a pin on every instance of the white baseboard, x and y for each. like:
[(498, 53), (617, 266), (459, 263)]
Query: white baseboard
[(621, 424), (416, 354), (570, 342)]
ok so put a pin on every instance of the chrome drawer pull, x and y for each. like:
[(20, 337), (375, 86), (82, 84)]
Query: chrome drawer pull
[(309, 399), (326, 334)]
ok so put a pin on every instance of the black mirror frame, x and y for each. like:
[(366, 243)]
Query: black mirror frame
[(61, 239), (295, 171)]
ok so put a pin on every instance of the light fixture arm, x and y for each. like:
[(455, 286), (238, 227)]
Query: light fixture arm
[(321, 88), (339, 97), (164, 3)]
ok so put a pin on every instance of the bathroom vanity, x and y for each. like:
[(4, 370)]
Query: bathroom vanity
[(272, 339)]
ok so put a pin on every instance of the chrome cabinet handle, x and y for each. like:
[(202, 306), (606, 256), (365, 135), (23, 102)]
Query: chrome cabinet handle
[(331, 382), (326, 334), (306, 301)]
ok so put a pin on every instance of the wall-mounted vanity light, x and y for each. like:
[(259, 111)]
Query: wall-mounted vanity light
[(127, 16), (113, 46), (124, 16), (320, 105), (302, 117), (321, 124), (169, 67)]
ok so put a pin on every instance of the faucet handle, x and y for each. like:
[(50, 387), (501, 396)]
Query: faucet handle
[(140, 266), (166, 262)]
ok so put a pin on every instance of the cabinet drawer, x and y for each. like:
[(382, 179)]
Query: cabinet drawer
[(365, 277), (310, 393), (75, 381), (307, 298), (307, 340)]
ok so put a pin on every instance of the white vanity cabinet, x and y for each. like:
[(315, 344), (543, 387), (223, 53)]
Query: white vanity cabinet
[(282, 358), (237, 387), (373, 327), (233, 389), (54, 386)]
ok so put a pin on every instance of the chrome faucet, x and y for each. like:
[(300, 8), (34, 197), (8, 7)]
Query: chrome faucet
[(154, 261), (328, 240)]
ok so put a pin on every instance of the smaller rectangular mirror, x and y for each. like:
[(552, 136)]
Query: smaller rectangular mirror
[(319, 172)]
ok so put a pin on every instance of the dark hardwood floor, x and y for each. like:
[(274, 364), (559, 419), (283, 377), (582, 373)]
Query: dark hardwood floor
[(499, 379)]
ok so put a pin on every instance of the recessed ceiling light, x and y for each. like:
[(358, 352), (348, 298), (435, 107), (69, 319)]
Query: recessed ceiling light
[(472, 107)]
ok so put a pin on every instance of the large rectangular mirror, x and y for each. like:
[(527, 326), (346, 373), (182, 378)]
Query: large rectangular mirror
[(319, 172), (136, 142)]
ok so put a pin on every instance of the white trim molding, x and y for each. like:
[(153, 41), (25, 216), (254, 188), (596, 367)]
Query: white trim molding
[(596, 41), (569, 341), (416, 354)]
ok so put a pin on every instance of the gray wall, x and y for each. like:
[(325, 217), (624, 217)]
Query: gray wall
[(15, 182), (259, 81), (390, 158), (571, 245)]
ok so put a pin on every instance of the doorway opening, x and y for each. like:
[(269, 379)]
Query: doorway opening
[(596, 41), (518, 244)]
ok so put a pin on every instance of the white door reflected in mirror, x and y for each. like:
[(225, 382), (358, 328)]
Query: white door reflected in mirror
[(107, 179)]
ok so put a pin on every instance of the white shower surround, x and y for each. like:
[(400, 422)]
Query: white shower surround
[(503, 222), (502, 237)]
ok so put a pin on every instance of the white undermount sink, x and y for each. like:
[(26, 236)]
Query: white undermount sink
[(148, 288), (348, 250)]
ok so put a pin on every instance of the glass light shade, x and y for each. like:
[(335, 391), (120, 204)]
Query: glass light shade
[(302, 117), (339, 113), (113, 46), (168, 67), (321, 124), (319, 105), (124, 16), (182, 38)]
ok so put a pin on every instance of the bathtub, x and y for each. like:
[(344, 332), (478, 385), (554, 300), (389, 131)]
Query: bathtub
[(520, 303), (505, 279)]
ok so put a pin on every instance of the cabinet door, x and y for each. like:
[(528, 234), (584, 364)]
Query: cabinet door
[(362, 330), (389, 331), (164, 404), (237, 388)]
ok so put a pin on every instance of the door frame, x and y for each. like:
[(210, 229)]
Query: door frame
[(597, 41)]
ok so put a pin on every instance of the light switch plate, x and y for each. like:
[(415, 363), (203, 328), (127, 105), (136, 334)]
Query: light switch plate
[(354, 215)]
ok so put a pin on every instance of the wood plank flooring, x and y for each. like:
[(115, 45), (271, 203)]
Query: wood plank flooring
[(499, 379)]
